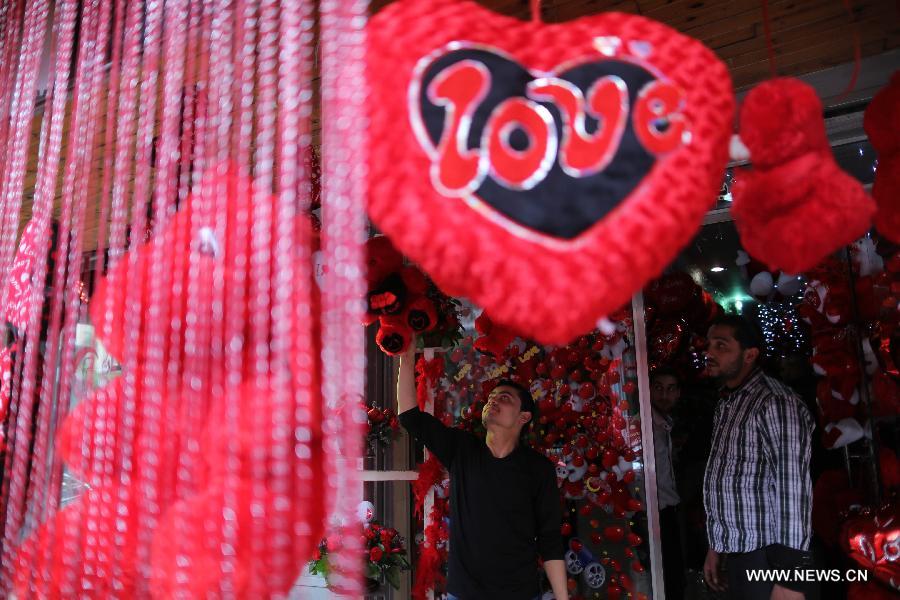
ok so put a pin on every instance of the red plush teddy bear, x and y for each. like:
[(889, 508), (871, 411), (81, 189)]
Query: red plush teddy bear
[(795, 206), (882, 125), (397, 297)]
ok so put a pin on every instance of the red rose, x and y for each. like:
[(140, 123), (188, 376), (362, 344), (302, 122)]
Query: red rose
[(386, 536), (375, 554), (370, 533), (375, 415)]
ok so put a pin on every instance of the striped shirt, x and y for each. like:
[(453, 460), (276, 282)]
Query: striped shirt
[(757, 488)]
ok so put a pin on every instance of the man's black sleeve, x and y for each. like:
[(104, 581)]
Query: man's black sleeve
[(442, 441), (549, 515)]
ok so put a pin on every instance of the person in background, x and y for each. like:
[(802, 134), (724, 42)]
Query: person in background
[(504, 502), (665, 391), (757, 489)]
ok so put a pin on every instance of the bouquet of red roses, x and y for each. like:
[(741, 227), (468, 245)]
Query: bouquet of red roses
[(383, 426), (384, 555)]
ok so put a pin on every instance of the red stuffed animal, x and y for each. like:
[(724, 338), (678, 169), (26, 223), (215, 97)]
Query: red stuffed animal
[(397, 297), (795, 206), (882, 125)]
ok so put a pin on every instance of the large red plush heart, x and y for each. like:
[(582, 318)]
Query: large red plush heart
[(546, 171)]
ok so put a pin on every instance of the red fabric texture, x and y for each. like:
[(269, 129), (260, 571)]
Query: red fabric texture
[(889, 468), (186, 236), (431, 473), (543, 288), (492, 338), (259, 433), (433, 553), (832, 495), (795, 206), (427, 374), (89, 440), (882, 125), (193, 528), (83, 533)]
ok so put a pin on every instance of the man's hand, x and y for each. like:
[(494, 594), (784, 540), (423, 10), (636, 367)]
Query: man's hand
[(712, 572), (782, 593)]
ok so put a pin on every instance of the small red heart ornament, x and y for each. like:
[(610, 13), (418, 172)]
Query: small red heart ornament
[(545, 171)]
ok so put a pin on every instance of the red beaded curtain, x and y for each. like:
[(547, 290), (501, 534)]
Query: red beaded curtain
[(173, 153)]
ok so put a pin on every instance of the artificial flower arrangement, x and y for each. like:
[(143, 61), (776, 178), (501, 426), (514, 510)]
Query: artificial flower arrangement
[(382, 427), (384, 556)]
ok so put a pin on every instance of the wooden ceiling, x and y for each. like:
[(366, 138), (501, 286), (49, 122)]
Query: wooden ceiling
[(807, 35)]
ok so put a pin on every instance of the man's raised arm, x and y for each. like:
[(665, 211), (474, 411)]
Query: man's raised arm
[(406, 379)]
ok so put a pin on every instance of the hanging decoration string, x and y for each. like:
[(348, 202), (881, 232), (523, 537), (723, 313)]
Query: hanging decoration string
[(536, 11), (857, 53), (770, 50), (344, 95)]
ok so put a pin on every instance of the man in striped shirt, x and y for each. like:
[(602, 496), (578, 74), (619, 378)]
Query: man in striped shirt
[(757, 488)]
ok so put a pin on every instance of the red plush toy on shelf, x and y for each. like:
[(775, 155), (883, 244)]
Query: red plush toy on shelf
[(795, 206)]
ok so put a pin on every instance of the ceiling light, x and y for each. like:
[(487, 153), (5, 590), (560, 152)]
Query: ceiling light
[(717, 269)]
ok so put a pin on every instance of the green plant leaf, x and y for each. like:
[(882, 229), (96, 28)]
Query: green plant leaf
[(393, 577)]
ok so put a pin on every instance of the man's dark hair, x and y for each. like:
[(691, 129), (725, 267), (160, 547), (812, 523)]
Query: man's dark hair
[(746, 332), (665, 371), (525, 398)]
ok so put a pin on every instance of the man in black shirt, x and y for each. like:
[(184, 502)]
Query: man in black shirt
[(504, 502)]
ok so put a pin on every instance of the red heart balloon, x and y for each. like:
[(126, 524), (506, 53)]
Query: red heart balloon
[(510, 150)]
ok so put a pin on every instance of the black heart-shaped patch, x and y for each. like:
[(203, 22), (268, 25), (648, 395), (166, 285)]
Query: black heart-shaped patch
[(559, 204)]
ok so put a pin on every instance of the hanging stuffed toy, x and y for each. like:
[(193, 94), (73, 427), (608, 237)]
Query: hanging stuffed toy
[(545, 171), (400, 298), (827, 298), (882, 125), (795, 206)]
